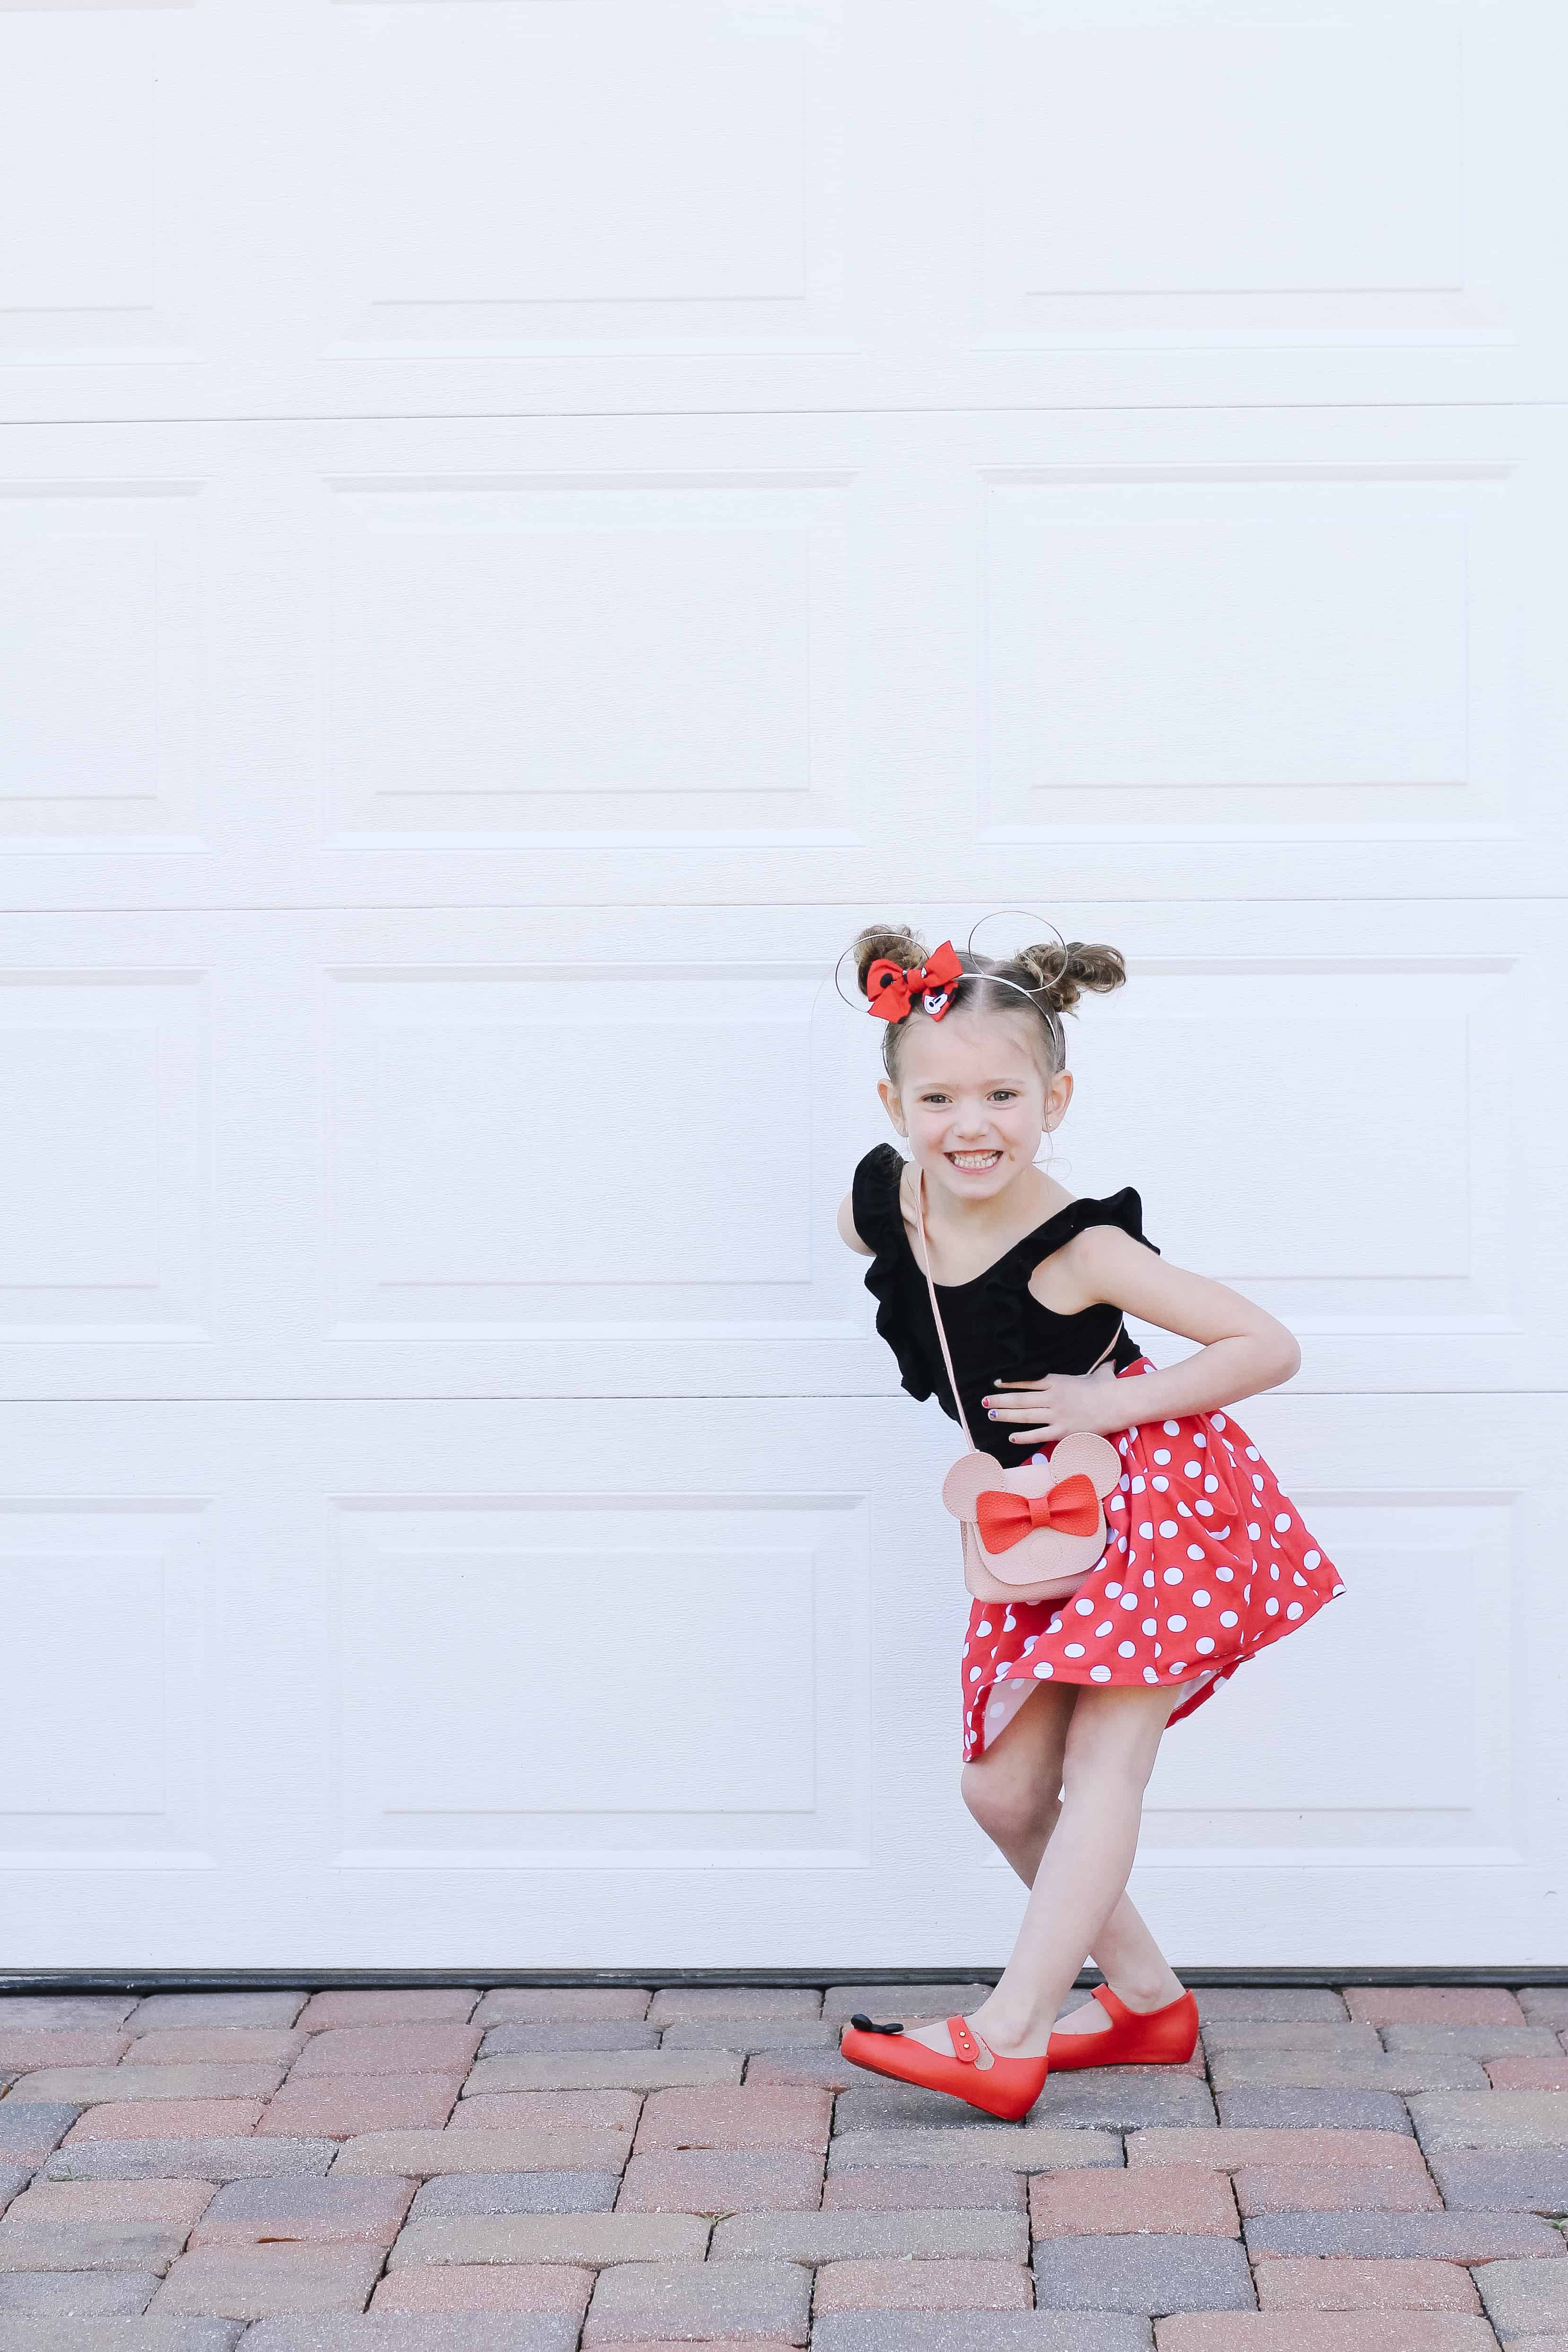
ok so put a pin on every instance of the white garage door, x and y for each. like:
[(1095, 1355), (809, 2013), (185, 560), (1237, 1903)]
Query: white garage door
[(524, 524)]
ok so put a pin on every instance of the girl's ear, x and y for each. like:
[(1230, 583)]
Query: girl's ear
[(891, 1104), (1058, 1095)]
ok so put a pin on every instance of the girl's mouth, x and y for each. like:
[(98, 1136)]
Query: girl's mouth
[(978, 1161)]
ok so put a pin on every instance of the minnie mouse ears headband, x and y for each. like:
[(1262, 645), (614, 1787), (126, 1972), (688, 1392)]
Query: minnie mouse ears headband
[(892, 987)]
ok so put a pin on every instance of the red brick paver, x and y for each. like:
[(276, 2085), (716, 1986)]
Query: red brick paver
[(337, 2107), (952, 2286), (1529, 2074), (549, 2111), (389, 2050), (167, 2119), (1433, 2005), (1304, 2331), (1338, 2283), (1168, 2200), (419, 2005), (485, 2286), (1335, 2189), (743, 2118)]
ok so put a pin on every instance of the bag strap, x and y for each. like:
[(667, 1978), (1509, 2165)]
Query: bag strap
[(936, 1311)]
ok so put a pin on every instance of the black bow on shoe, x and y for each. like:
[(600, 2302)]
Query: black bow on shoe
[(868, 2025)]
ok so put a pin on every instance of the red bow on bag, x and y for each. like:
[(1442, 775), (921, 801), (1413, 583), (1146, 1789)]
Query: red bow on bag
[(891, 985), (1072, 1506)]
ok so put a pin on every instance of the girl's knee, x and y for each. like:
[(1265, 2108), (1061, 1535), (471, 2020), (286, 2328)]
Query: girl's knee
[(1007, 1805)]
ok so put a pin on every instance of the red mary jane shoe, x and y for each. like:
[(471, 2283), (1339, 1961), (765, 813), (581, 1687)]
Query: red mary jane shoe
[(1153, 2037), (1007, 2087)]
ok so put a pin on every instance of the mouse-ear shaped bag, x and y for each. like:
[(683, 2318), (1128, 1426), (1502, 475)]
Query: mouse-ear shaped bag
[(1034, 1532)]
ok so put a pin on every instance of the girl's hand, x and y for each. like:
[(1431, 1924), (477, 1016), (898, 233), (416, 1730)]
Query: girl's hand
[(1064, 1404)]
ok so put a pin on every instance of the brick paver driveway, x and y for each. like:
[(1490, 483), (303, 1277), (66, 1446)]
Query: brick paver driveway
[(1381, 2170)]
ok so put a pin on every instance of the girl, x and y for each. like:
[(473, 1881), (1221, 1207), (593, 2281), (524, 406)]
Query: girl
[(1205, 1562)]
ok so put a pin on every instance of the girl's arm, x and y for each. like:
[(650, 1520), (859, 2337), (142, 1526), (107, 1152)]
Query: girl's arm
[(1242, 1349), (847, 1227)]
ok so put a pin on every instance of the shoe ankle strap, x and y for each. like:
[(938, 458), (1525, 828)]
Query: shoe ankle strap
[(968, 2044)]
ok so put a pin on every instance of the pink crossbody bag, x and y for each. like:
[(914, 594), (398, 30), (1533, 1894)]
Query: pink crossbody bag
[(1036, 1532)]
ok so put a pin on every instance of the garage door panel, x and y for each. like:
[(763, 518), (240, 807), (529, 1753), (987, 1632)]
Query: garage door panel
[(697, 661), (419, 1562), (378, 208), (356, 1156)]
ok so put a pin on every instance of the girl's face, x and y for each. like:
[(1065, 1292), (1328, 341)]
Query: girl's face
[(973, 1100)]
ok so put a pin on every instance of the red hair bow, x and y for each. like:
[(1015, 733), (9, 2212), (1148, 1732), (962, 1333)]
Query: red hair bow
[(1072, 1506), (889, 985)]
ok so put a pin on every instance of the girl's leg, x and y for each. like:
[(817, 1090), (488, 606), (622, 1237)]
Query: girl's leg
[(1109, 1741), (1014, 1791)]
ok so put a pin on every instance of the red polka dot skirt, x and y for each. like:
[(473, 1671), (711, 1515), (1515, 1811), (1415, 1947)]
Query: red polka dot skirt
[(1207, 1562)]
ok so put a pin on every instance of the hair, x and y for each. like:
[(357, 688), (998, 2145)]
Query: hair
[(1052, 974)]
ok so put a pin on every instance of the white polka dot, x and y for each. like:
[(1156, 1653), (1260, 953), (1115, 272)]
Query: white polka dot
[(1147, 1528), (1073, 1650), (1150, 1626), (1219, 1419), (1084, 1607), (1270, 1606), (1172, 1576), (1101, 1631), (1137, 1485), (1204, 1645), (1200, 1600), (1198, 1438), (1191, 1469), (1176, 1624), (1211, 1485), (1312, 1560), (1253, 1530), (1184, 1510), (1171, 1427), (1195, 1552), (1129, 1600), (965, 1649), (1161, 1453), (1160, 1486), (1150, 1676), (1176, 1666), (1126, 1649), (1054, 1626), (1253, 1455), (1009, 1622), (1029, 1643), (1281, 1522), (1121, 1543), (974, 1674), (1112, 1590), (1122, 1446), (1203, 1510), (1043, 1673), (1148, 1579), (1158, 1651), (1099, 1674), (1227, 1617), (1273, 1571), (1169, 1527), (1226, 1575), (1001, 1670), (1257, 1480), (1294, 1610), (1116, 1503), (984, 1626)]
